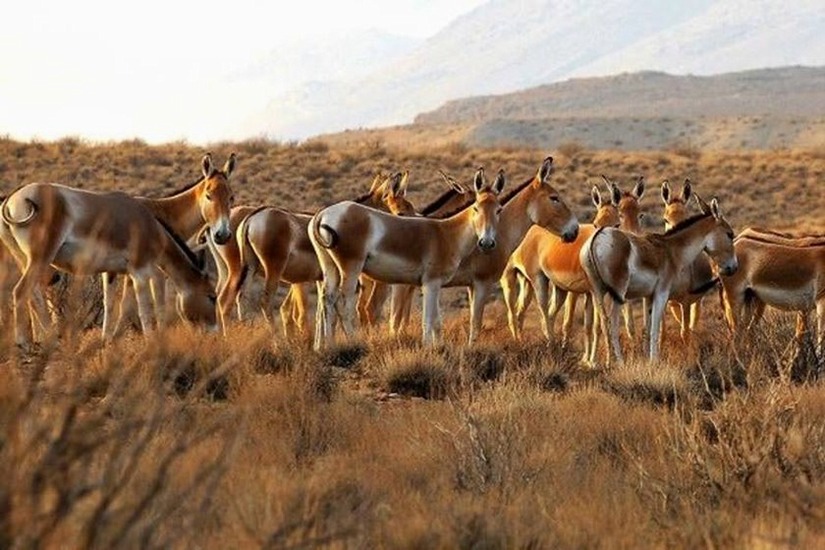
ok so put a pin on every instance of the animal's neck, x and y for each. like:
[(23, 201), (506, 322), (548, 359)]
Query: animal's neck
[(180, 212), (461, 225), (177, 265), (515, 221), (685, 245), (630, 223)]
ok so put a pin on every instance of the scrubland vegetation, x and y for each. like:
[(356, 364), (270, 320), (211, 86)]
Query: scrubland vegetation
[(188, 439)]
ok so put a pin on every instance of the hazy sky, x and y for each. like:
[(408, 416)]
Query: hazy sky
[(154, 69)]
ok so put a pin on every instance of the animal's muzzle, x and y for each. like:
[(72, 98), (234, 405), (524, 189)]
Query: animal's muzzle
[(730, 268), (221, 237), (570, 235), (486, 245)]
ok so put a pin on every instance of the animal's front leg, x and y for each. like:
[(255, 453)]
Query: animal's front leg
[(657, 310), (478, 297), (430, 313)]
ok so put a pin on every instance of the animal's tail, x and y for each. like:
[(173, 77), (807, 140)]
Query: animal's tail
[(610, 290), (243, 243), (325, 235), (33, 209)]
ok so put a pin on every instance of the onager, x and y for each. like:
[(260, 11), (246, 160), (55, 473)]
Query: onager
[(350, 238), (85, 233), (780, 270), (544, 261), (624, 266)]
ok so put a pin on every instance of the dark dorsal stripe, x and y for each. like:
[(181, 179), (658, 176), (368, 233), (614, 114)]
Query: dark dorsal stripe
[(684, 224), (511, 195), (811, 240), (445, 197), (193, 259)]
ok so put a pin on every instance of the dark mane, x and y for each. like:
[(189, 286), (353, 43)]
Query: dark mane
[(509, 196), (445, 197), (193, 259), (363, 198), (184, 189), (684, 224), (458, 209)]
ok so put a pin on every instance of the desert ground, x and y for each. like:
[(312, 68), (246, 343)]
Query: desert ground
[(192, 439)]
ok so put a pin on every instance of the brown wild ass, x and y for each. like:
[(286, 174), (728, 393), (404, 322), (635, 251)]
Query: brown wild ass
[(698, 278), (275, 242), (626, 266), (543, 261), (780, 270), (207, 201), (351, 239), (84, 233), (449, 202), (533, 202)]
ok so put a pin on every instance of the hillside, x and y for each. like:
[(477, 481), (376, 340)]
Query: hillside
[(504, 46)]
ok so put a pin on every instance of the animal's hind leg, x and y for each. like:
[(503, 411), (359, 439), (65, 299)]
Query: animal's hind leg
[(143, 296), (107, 331), (508, 288), (349, 286), (299, 307), (21, 297), (525, 297), (285, 311)]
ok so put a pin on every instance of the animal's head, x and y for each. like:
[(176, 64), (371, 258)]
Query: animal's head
[(395, 195), (486, 209), (628, 203), (676, 206), (198, 305), (719, 241), (547, 208), (215, 197), (607, 215)]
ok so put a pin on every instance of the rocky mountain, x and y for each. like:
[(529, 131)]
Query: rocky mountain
[(508, 45)]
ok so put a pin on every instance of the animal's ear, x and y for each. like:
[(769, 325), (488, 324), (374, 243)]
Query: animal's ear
[(714, 208), (405, 181), (498, 184), (639, 190), (545, 170), (666, 192), (451, 181), (596, 196), (377, 182), (394, 184), (703, 206), (206, 165), (687, 190), (229, 165), (612, 190), (478, 180)]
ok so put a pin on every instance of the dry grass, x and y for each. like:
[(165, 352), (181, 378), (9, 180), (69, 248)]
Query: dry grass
[(193, 440)]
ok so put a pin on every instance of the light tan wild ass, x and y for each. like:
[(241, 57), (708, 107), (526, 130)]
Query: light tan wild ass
[(780, 270), (533, 202), (624, 266), (543, 261), (350, 238), (84, 233)]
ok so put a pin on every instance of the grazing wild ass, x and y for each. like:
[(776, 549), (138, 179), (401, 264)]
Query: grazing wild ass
[(207, 202), (351, 239), (780, 270), (85, 233), (626, 266), (542, 261)]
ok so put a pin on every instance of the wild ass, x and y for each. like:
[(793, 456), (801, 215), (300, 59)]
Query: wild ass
[(543, 261), (626, 266), (350, 238), (780, 270), (84, 233), (698, 278), (275, 241)]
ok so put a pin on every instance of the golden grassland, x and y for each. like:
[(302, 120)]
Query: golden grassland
[(187, 439)]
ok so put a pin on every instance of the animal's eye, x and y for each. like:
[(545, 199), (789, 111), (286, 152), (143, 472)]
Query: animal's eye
[(554, 199), (475, 209), (208, 196), (730, 234), (499, 209), (213, 299)]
